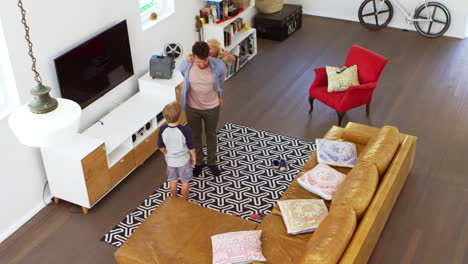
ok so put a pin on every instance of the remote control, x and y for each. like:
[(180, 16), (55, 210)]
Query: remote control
[(342, 69)]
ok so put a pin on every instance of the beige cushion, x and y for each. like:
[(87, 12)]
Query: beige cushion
[(359, 134), (381, 148), (331, 238), (358, 188), (302, 215), (338, 82)]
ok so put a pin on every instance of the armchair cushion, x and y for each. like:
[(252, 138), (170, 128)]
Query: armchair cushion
[(338, 82)]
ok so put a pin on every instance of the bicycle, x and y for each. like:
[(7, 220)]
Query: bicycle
[(431, 19)]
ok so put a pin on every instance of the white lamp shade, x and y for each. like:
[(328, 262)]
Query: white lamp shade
[(43, 130)]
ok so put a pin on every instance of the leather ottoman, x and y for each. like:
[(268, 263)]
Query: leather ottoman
[(178, 232)]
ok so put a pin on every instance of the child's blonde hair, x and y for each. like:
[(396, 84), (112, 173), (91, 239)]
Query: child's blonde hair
[(171, 112), (215, 43)]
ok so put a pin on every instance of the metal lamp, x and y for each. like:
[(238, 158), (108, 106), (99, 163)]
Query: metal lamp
[(45, 120)]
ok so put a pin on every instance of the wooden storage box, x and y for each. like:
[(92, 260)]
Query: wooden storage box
[(242, 3), (279, 26)]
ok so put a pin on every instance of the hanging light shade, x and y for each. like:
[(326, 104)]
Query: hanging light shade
[(45, 121), (42, 130)]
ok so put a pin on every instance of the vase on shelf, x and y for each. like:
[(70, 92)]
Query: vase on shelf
[(269, 6)]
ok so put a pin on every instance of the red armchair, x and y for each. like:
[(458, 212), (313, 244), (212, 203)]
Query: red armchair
[(369, 64)]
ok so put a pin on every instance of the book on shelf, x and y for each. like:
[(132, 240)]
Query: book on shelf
[(218, 8), (231, 29), (245, 43), (232, 11), (252, 44), (205, 14), (228, 68), (227, 38), (224, 9)]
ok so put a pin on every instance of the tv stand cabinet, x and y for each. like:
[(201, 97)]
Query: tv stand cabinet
[(90, 164)]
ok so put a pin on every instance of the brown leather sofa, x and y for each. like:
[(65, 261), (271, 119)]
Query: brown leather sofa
[(180, 232)]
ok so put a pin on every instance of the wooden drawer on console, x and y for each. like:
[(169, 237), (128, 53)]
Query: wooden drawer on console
[(96, 172), (122, 168), (147, 147)]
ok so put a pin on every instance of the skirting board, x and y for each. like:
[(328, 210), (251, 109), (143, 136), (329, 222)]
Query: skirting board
[(355, 19), (23, 220)]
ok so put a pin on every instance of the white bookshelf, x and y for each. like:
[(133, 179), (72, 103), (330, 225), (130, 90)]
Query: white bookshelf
[(216, 31)]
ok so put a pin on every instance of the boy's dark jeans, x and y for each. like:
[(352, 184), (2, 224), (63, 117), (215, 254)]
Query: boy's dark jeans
[(209, 119)]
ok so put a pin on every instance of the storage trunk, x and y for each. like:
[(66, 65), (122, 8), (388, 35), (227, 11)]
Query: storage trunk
[(279, 26), (269, 6)]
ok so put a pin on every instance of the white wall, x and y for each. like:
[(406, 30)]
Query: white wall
[(466, 28), (348, 10), (53, 32)]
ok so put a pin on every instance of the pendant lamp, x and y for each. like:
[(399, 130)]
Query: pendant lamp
[(45, 121)]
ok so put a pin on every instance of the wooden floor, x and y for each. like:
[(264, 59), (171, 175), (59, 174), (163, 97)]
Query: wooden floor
[(423, 91)]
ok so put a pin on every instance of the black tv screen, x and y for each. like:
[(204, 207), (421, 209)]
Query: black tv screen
[(90, 70)]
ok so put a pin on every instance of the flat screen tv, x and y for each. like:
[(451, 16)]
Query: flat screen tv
[(93, 68)]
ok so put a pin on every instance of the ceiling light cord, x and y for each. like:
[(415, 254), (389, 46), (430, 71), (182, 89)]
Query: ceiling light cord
[(37, 76)]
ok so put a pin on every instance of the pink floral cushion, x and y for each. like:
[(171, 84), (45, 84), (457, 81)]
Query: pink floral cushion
[(322, 180), (237, 247), (302, 215)]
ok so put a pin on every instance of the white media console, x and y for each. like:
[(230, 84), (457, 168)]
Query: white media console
[(88, 165)]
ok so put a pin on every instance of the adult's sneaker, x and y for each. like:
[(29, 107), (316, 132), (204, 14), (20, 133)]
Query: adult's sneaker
[(214, 170), (197, 170)]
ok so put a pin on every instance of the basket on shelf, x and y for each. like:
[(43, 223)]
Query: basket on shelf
[(269, 6)]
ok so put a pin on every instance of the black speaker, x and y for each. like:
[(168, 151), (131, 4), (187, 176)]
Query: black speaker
[(159, 117)]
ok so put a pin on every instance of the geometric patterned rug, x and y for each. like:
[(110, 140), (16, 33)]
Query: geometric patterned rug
[(248, 183)]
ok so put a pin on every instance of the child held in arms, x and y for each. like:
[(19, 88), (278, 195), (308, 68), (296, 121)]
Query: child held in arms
[(216, 51), (175, 142)]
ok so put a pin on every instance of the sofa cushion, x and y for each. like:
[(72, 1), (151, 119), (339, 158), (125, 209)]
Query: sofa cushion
[(331, 238), (302, 215), (277, 246), (334, 133), (359, 134), (237, 247), (322, 180), (381, 148), (336, 153), (358, 188), (178, 232)]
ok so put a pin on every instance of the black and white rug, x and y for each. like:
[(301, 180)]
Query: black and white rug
[(248, 183)]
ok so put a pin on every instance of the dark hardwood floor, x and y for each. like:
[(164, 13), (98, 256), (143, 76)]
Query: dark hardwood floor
[(423, 91)]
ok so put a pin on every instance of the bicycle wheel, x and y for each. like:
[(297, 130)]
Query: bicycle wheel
[(371, 17), (440, 20)]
